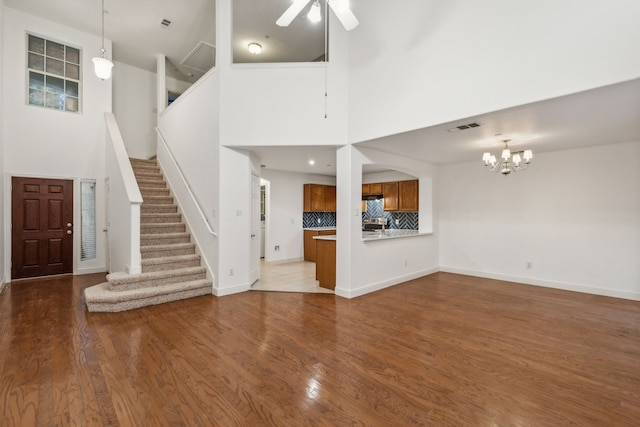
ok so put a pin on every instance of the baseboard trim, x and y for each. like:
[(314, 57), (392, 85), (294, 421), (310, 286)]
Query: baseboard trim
[(283, 261), (353, 293), (231, 290), (635, 296)]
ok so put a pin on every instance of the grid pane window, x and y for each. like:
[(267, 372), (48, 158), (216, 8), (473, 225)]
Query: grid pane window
[(54, 74), (88, 220)]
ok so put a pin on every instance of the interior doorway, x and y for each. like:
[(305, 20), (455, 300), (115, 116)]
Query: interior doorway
[(42, 227)]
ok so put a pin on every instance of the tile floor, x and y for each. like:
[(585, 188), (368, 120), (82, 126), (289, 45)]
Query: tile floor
[(290, 277)]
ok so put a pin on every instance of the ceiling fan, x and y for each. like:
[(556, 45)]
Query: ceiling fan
[(339, 7)]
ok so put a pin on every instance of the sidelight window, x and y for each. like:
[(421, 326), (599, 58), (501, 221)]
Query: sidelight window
[(54, 74), (88, 220)]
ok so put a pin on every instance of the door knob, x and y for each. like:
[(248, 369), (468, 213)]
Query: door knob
[(69, 231), (69, 224)]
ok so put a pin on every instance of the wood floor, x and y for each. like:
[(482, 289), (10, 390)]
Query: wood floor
[(443, 350)]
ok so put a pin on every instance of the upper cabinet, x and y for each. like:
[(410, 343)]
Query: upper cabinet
[(398, 196), (408, 196), (319, 198), (390, 194)]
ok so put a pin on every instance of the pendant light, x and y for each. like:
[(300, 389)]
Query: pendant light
[(102, 66)]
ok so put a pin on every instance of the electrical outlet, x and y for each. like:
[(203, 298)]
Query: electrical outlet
[(397, 222), (277, 248), (239, 212), (319, 220), (529, 265)]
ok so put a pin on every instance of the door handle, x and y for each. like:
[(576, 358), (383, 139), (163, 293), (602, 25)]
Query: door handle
[(69, 232)]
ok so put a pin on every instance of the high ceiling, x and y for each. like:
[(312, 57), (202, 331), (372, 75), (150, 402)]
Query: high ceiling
[(605, 115)]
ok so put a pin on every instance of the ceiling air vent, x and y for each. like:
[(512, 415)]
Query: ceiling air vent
[(165, 23), (463, 127)]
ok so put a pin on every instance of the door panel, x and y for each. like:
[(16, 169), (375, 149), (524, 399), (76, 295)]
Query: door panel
[(42, 227)]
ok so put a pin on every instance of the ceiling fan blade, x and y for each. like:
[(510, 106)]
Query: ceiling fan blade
[(344, 14), (291, 13)]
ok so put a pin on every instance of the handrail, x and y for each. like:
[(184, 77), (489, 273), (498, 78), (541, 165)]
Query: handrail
[(130, 183), (186, 182)]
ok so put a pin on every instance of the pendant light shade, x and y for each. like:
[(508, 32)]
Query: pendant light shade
[(102, 66)]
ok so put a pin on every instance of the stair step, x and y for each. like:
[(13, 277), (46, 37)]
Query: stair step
[(152, 183), (170, 227), (167, 250), (100, 299), (154, 191), (160, 218), (170, 263), (157, 200), (164, 239), (124, 282), (147, 174), (148, 208)]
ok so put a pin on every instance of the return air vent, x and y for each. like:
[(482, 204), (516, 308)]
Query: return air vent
[(464, 127), (201, 57), (165, 23)]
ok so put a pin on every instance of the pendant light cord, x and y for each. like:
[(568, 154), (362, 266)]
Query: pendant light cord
[(102, 51)]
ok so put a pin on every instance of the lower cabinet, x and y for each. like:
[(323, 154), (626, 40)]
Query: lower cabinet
[(310, 242)]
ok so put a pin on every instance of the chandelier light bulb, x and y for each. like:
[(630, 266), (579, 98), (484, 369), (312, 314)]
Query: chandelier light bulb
[(315, 14)]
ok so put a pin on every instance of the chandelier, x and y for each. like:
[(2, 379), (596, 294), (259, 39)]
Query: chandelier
[(509, 162)]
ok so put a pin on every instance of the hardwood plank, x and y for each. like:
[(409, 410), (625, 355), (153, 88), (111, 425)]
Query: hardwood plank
[(441, 350)]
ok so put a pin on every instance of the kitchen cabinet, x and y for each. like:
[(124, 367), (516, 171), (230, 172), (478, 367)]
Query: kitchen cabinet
[(319, 198), (408, 196), (330, 198), (310, 243), (390, 194), (326, 264), (372, 189)]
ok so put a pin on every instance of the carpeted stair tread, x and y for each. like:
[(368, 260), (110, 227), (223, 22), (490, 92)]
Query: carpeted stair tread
[(158, 218), (151, 183), (170, 227), (170, 263), (100, 299), (122, 281), (164, 239), (175, 249), (150, 208), (158, 200)]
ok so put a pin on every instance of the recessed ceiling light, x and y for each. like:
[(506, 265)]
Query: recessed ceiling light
[(254, 48), (312, 162)]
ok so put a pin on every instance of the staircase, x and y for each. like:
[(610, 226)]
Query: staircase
[(171, 269)]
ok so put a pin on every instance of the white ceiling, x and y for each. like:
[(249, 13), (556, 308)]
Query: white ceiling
[(605, 115)]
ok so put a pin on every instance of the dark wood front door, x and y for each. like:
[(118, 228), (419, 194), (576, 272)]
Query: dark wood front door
[(41, 227)]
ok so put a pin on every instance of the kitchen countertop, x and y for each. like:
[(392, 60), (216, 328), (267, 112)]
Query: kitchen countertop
[(379, 235)]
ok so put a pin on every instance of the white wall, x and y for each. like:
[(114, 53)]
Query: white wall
[(575, 215), (48, 143), (364, 267), (190, 128), (134, 105), (456, 59), (284, 219), (282, 104), (2, 179)]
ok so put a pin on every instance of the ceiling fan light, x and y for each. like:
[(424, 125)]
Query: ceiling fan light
[(315, 14), (102, 67)]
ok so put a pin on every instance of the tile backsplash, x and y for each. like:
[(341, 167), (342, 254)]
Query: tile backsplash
[(406, 220), (318, 219)]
